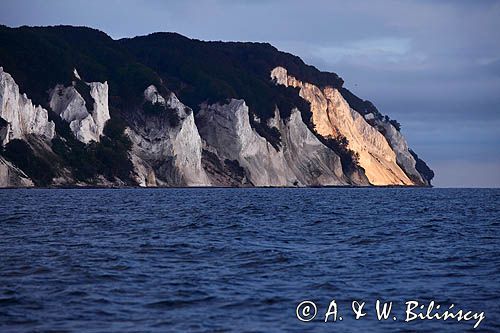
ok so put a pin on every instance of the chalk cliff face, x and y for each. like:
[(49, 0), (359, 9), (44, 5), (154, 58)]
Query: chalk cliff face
[(403, 156), (221, 148), (227, 128), (87, 125), (20, 117), (302, 160), (332, 116), (166, 154), (312, 163)]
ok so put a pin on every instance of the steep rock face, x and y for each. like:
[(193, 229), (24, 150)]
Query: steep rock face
[(87, 125), (165, 154), (227, 129), (403, 156), (312, 162), (11, 176), (21, 117), (100, 112), (301, 161), (333, 116)]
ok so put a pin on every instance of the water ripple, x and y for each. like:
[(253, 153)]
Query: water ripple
[(240, 260)]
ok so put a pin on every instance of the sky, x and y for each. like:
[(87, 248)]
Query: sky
[(432, 65)]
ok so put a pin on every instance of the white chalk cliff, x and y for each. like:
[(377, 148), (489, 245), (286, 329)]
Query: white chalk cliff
[(227, 129), (332, 116), (400, 146), (166, 155), (21, 116), (301, 161), (87, 124), (312, 162), (220, 147)]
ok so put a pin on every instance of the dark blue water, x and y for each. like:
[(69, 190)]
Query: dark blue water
[(241, 260)]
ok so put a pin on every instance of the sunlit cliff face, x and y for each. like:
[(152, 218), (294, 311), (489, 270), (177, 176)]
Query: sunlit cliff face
[(332, 115)]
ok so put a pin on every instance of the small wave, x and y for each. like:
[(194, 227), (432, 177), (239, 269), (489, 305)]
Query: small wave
[(177, 303)]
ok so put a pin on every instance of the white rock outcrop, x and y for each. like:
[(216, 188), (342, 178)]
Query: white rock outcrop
[(22, 117), (312, 163), (87, 125), (302, 160), (11, 176), (332, 116), (100, 113), (227, 129), (403, 156), (167, 155), (152, 95)]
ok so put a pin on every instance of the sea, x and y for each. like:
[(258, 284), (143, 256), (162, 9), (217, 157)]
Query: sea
[(250, 260)]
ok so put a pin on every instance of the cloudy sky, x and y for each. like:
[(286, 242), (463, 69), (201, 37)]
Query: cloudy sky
[(432, 65)]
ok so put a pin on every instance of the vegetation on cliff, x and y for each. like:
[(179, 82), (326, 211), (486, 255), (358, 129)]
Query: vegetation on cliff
[(36, 167), (109, 157)]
